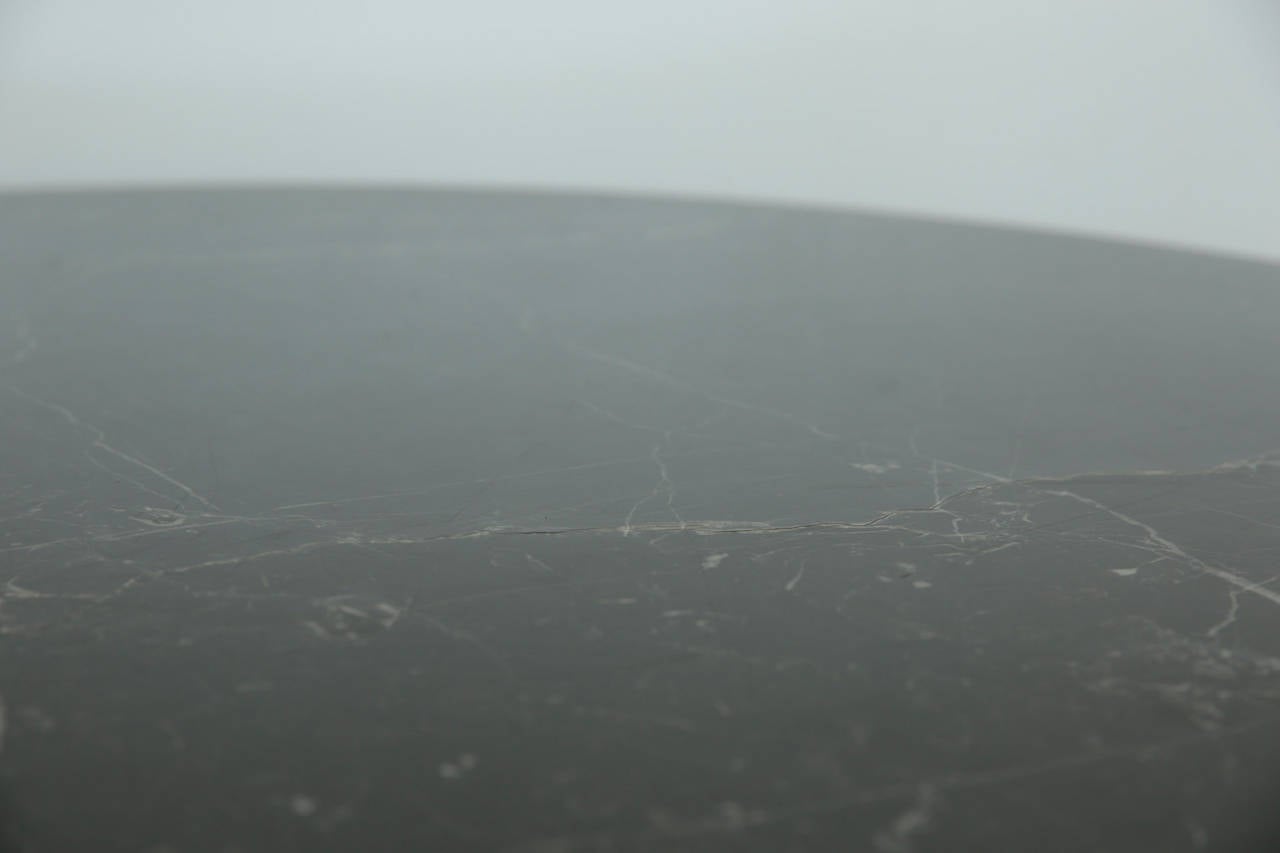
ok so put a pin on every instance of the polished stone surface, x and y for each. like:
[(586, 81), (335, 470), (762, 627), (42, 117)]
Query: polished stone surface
[(447, 521)]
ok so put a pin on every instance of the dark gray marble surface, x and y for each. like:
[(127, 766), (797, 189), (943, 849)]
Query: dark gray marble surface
[(449, 521)]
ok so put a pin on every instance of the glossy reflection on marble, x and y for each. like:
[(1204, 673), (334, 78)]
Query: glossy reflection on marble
[(442, 520)]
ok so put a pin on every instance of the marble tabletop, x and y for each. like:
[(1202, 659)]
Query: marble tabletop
[(445, 520)]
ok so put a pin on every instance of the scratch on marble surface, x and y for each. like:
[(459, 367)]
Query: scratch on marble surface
[(1158, 541), (1152, 537), (795, 580), (712, 561), (665, 379), (898, 837), (662, 485), (466, 637), (435, 487), (100, 441), (1233, 611)]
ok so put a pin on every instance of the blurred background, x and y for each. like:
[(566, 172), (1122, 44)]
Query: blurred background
[(1155, 120)]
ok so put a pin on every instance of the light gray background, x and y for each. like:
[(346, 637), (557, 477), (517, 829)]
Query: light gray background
[(1151, 119)]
